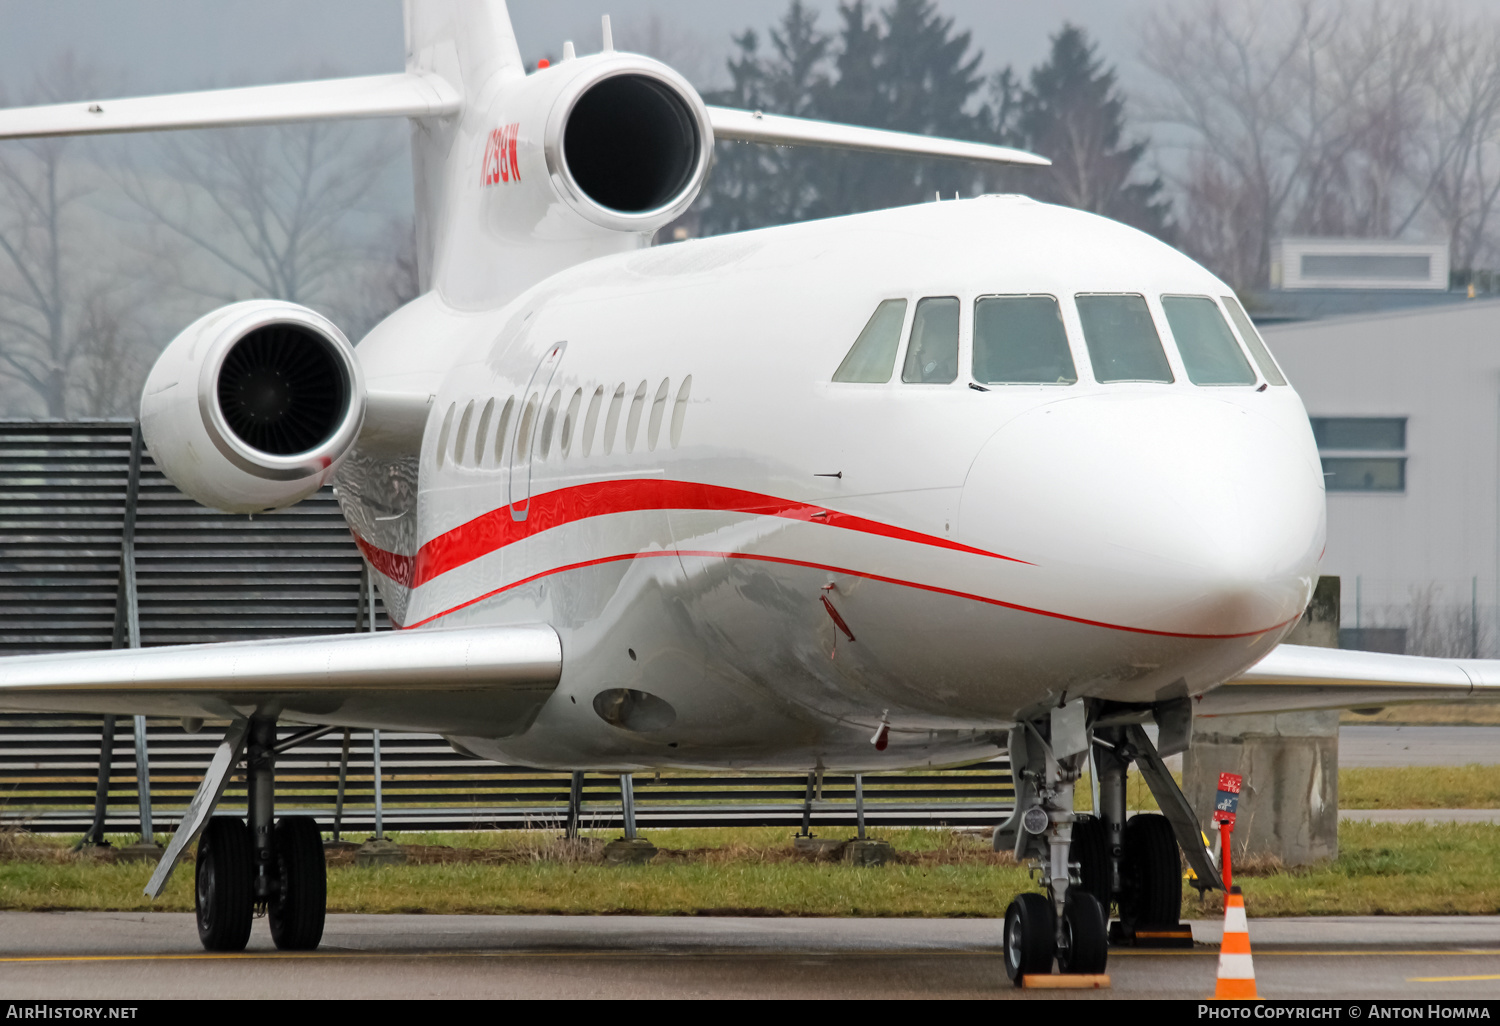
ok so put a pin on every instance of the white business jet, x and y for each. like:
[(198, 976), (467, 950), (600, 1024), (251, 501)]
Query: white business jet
[(901, 489)]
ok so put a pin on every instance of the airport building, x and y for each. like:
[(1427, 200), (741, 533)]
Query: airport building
[(1405, 406)]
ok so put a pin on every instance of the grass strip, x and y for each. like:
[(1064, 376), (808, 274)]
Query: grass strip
[(1382, 869)]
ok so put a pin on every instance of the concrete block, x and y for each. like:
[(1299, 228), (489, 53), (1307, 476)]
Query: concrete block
[(141, 851), (629, 851), (869, 853), (1289, 808), (819, 849), (379, 853)]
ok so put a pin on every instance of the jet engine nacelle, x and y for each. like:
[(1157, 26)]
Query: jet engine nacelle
[(253, 406), (583, 159), (626, 140)]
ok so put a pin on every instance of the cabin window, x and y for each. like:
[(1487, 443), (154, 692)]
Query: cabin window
[(612, 419), (462, 437), (633, 422), (549, 424), (1021, 340), (1254, 341), (591, 421), (658, 410), (502, 427), (1207, 346), (482, 432), (679, 409), (872, 358), (566, 442), (524, 428), (932, 356), (443, 433), (1122, 339)]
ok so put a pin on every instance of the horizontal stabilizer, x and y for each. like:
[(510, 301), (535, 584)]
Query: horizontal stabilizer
[(775, 130), (1298, 677), (413, 94), (378, 679)]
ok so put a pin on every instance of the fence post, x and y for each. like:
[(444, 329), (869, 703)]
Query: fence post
[(806, 830), (143, 782), (575, 805), (379, 809), (859, 804), (627, 804), (338, 801), (95, 833)]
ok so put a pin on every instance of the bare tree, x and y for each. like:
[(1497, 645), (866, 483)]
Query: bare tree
[(264, 212), (1317, 117), (65, 335), (1459, 157)]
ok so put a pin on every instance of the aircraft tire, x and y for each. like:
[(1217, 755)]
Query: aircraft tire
[(1030, 937), (297, 911), (1090, 849), (1150, 872), (223, 882), (1085, 933)]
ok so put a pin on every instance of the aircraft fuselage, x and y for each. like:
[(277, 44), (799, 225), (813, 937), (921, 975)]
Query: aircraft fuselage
[(752, 564)]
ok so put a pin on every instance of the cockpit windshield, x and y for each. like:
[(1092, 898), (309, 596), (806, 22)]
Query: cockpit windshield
[(1021, 340), (932, 356), (1122, 339)]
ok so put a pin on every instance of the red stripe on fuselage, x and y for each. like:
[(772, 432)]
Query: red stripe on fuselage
[(497, 529), (933, 588)]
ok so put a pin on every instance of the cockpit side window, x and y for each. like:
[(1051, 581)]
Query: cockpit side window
[(932, 356), (872, 358), (1122, 339), (1208, 349), (1021, 340), (1254, 341)]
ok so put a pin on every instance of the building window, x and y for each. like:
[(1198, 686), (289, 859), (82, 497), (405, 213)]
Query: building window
[(1348, 446), (1381, 434), (1346, 474)]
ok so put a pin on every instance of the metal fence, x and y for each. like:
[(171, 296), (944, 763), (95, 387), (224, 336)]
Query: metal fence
[(99, 550), (48, 767)]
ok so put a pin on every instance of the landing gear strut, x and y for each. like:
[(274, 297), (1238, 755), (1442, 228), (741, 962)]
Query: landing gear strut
[(1070, 923), (1089, 863), (276, 866)]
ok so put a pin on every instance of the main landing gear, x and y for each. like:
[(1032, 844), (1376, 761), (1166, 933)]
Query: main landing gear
[(273, 866), (1088, 863)]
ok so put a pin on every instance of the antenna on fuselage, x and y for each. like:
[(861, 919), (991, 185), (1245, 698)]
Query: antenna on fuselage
[(609, 37), (568, 51)]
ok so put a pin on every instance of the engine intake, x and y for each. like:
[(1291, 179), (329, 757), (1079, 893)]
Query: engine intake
[(627, 141), (253, 406), (282, 389), (642, 117)]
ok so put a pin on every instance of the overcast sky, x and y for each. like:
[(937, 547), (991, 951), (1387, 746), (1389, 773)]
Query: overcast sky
[(145, 46)]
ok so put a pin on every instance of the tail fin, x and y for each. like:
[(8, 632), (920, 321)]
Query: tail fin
[(471, 45)]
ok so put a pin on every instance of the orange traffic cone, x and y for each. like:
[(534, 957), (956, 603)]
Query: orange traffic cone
[(1236, 970)]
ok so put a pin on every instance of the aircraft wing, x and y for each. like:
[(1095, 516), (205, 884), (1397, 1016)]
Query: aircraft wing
[(775, 130), (1297, 677), (415, 680), (419, 94), (412, 94)]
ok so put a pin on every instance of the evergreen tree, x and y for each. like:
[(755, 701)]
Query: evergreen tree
[(753, 186), (1073, 114), (909, 71)]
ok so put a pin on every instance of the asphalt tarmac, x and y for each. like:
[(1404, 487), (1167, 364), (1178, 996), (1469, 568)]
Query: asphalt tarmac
[(1422, 745), (116, 956)]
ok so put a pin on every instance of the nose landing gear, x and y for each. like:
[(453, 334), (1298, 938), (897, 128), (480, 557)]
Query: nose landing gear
[(1069, 924), (1090, 863)]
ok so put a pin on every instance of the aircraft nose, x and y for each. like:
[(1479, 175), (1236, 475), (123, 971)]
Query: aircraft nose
[(1185, 513)]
